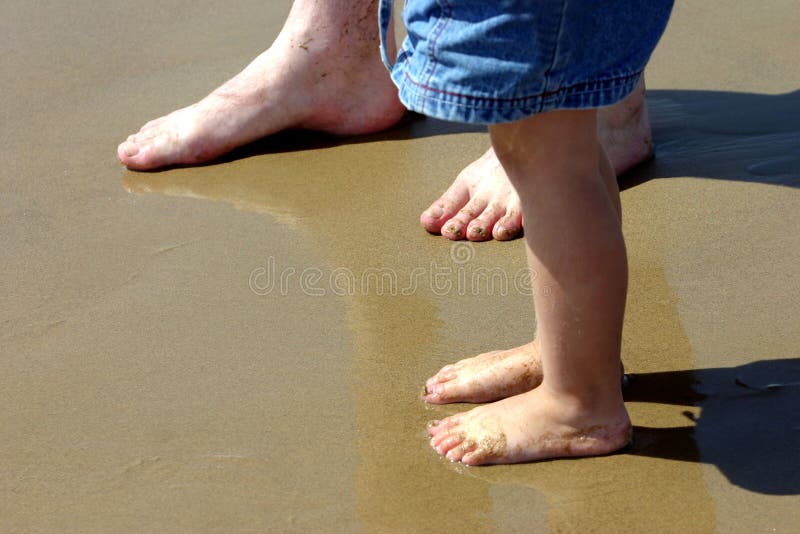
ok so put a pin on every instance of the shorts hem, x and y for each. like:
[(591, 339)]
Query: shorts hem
[(458, 107)]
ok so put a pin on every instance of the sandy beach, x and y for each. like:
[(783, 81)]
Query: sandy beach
[(241, 346)]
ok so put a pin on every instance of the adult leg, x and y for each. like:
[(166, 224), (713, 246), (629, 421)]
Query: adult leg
[(323, 72)]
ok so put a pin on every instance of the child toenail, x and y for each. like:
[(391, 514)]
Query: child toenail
[(433, 424), (431, 391)]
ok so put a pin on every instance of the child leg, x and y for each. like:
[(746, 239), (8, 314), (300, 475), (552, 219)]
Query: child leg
[(577, 255), (499, 374)]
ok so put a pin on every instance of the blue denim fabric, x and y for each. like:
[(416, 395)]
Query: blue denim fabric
[(493, 61)]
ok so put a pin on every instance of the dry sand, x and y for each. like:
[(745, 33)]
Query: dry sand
[(153, 380)]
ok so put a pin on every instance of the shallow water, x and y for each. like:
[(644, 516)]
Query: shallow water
[(240, 346)]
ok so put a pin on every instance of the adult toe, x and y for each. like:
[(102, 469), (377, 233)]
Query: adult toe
[(445, 208), (481, 228), (145, 154), (456, 228), (127, 151), (509, 226)]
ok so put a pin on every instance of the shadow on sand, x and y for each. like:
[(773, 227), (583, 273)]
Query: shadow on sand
[(723, 135), (749, 427), (707, 134)]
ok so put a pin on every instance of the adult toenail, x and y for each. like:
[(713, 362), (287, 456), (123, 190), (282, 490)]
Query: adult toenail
[(505, 233), (478, 230), (435, 212), (453, 230), (433, 424), (131, 149)]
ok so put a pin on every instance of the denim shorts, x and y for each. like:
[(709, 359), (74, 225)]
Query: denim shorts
[(494, 61)]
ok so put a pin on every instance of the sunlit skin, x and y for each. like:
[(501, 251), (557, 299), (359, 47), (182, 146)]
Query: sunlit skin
[(481, 204), (562, 395), (487, 377), (324, 72), (574, 243)]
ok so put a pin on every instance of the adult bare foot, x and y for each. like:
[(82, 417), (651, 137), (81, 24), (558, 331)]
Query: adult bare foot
[(481, 204), (323, 72), (532, 426), (487, 377)]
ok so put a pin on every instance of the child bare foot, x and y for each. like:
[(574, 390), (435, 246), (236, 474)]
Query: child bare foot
[(481, 204), (575, 243), (536, 425), (487, 377), (323, 73)]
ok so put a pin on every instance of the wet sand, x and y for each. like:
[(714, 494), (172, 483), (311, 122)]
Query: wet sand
[(222, 348)]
